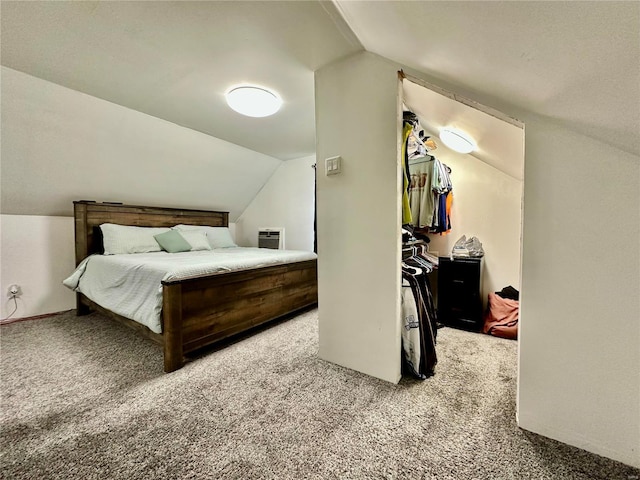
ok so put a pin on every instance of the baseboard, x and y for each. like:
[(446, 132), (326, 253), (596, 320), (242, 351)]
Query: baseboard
[(35, 317)]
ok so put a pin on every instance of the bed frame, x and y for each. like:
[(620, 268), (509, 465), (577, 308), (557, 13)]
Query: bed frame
[(200, 310)]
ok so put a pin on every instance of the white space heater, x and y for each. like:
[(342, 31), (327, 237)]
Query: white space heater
[(271, 238)]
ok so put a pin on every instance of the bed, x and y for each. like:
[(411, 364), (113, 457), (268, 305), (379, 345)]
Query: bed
[(201, 309)]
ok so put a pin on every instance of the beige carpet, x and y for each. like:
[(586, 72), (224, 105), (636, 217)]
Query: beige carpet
[(85, 398)]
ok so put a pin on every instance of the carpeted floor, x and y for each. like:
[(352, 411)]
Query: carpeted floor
[(85, 398)]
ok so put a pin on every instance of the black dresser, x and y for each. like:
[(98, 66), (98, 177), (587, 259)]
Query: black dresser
[(459, 292)]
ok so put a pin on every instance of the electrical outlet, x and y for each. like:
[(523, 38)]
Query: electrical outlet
[(14, 290)]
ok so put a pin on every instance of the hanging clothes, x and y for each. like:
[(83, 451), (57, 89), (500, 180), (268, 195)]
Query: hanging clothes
[(424, 261), (430, 195), (448, 205), (442, 189), (426, 196), (410, 331), (406, 206), (421, 196), (419, 323), (415, 146)]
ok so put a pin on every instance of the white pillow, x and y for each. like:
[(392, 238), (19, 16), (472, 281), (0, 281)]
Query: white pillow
[(128, 239), (197, 239), (218, 237)]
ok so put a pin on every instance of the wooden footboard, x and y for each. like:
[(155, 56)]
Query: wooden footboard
[(200, 311)]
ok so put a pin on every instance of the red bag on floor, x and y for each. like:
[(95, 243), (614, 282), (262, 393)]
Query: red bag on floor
[(501, 317)]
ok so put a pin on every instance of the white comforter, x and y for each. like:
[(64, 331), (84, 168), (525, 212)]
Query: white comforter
[(131, 285)]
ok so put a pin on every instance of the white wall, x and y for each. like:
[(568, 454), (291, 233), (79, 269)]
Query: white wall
[(580, 329), (357, 112), (60, 145), (286, 200), (579, 357), (486, 204), (36, 253)]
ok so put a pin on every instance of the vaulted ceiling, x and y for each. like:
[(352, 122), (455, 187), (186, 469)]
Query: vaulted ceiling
[(176, 60), (577, 63)]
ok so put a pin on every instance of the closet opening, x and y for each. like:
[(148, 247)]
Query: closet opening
[(463, 211)]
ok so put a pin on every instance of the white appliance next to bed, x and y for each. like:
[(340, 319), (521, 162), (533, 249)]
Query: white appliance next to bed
[(271, 237)]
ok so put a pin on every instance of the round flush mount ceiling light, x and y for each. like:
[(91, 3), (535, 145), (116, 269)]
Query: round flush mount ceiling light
[(457, 140), (253, 101)]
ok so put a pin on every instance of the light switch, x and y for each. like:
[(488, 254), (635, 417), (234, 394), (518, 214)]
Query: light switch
[(333, 165)]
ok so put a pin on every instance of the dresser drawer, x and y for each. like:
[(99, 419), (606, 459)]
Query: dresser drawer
[(459, 292)]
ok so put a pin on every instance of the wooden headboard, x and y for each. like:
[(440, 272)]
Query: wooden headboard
[(90, 215)]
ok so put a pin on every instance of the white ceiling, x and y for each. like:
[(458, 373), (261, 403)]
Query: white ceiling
[(577, 63), (500, 144), (175, 60)]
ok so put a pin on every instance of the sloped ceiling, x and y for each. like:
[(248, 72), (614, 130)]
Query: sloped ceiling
[(500, 143), (577, 63), (175, 60), (59, 145)]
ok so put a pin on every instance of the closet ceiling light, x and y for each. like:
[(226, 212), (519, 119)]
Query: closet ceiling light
[(457, 140), (253, 101)]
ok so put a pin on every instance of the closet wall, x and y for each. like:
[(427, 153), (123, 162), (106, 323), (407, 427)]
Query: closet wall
[(357, 117)]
